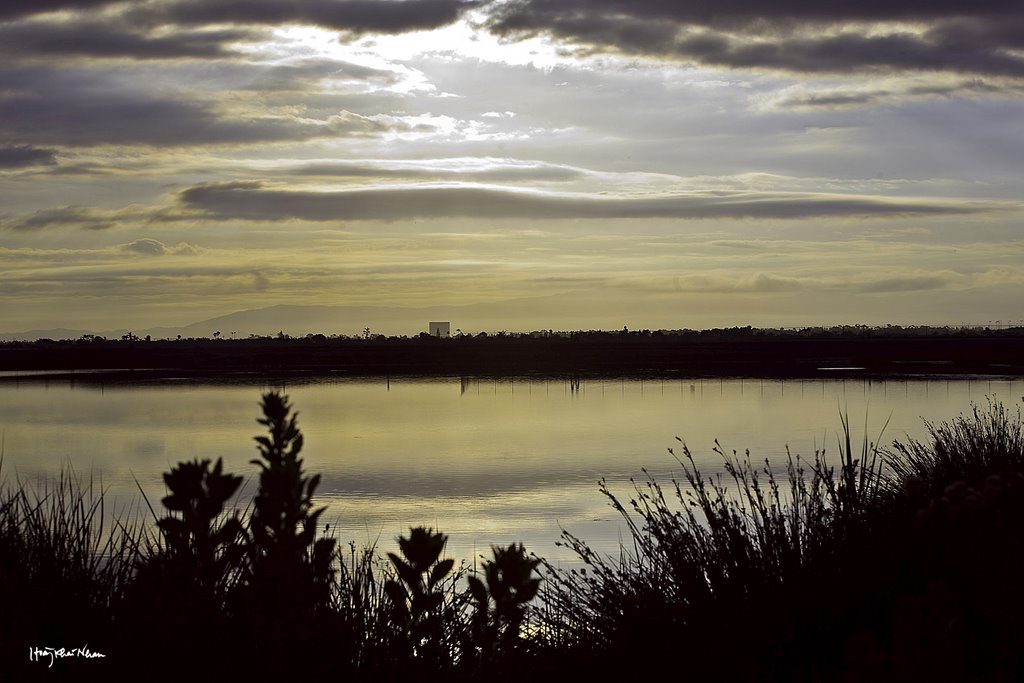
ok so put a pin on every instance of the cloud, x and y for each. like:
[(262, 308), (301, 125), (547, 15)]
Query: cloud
[(150, 247), (75, 107), (86, 218), (846, 52), (869, 281), (355, 16), (19, 156), (894, 92), (913, 283), (481, 169), (299, 75), (753, 284), (352, 16), (105, 39), (146, 247), (794, 35), (11, 9), (252, 200), (65, 216)]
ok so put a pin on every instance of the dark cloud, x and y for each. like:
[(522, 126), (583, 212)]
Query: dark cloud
[(847, 52), (107, 40), (19, 156), (540, 13), (65, 216), (794, 35), (12, 9), (76, 108), (255, 201), (94, 218), (836, 99), (353, 16)]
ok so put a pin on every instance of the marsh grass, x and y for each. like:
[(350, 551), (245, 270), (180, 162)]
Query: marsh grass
[(713, 555), (989, 440), (64, 565)]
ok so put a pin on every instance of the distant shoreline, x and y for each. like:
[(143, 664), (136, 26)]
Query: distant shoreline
[(742, 352)]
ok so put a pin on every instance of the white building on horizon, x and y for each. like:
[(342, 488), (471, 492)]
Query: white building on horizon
[(442, 330)]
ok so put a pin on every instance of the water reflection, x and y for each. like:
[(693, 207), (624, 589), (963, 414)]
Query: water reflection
[(487, 461)]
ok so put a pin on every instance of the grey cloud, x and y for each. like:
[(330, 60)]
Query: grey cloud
[(354, 16), (788, 35), (283, 80), (837, 99), (759, 283), (534, 14), (744, 245), (912, 283), (848, 52), (76, 108), (498, 171), (1008, 31), (10, 9), (298, 75), (255, 201), (65, 216), (19, 156), (106, 39), (93, 218)]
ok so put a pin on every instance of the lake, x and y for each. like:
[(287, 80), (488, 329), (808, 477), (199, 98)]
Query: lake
[(486, 461)]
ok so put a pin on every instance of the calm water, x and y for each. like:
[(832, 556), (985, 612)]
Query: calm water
[(484, 461)]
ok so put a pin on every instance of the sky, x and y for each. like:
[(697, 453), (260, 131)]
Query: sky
[(576, 164)]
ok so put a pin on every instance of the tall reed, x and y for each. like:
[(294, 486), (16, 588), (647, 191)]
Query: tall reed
[(64, 565)]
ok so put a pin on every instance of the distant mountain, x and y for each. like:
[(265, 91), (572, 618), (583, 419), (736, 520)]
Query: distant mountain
[(352, 320)]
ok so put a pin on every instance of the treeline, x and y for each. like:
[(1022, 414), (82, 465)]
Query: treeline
[(739, 352), (737, 332)]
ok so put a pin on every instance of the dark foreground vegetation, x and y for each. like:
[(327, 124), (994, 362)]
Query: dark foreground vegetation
[(738, 352), (900, 564)]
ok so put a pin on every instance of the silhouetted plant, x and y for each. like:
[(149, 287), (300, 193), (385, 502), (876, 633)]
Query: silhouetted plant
[(283, 524), (716, 552), (178, 598), (837, 573), (968, 448), (416, 597), (285, 604), (196, 545), (511, 583), (363, 636), (61, 569)]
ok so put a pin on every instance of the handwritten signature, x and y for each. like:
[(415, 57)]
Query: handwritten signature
[(37, 654)]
